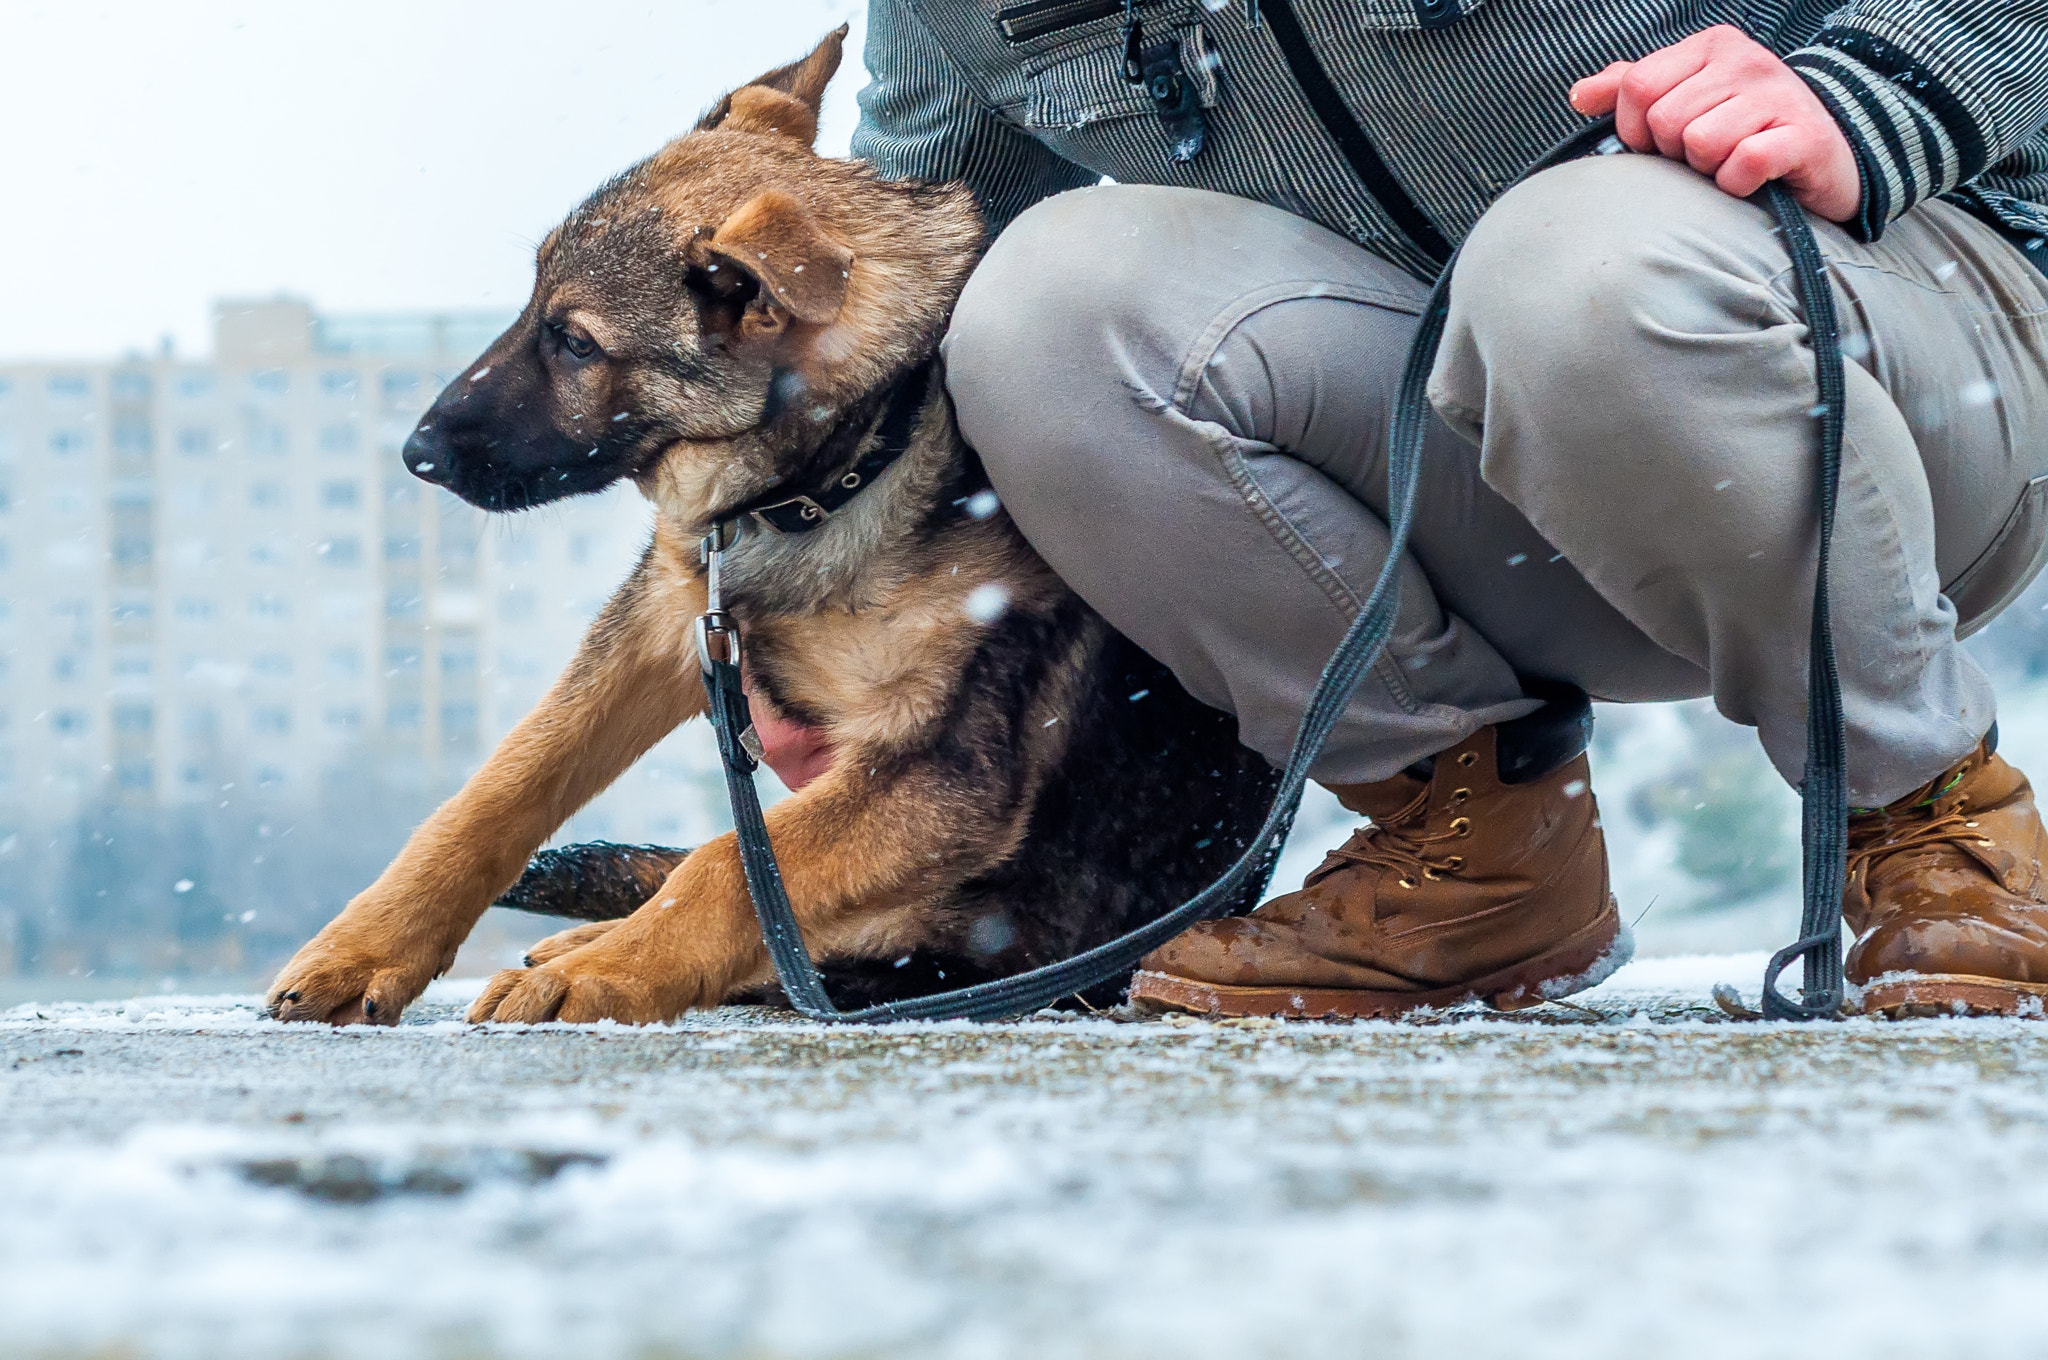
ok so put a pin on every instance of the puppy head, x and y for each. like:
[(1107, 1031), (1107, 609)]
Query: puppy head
[(712, 305)]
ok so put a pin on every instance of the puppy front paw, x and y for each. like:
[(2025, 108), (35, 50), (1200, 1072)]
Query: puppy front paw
[(350, 977), (574, 995)]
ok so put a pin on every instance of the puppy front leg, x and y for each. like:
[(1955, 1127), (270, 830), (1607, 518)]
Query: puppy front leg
[(633, 680), (854, 849)]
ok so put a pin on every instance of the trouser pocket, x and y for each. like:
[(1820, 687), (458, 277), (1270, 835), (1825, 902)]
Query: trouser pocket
[(2008, 566)]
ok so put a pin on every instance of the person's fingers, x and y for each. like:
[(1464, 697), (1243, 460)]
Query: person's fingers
[(1670, 116), (1648, 81), (1774, 153), (1712, 137), (1595, 95)]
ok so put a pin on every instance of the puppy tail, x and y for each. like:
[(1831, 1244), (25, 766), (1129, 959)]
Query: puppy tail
[(595, 882)]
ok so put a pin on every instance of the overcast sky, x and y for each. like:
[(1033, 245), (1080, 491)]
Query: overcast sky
[(377, 154)]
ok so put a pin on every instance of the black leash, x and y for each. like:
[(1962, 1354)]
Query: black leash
[(1824, 792), (1824, 832)]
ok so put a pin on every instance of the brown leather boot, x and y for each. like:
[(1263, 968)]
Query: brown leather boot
[(1946, 894), (1486, 880)]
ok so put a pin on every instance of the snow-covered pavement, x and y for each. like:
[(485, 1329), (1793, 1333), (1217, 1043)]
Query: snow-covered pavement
[(179, 1178)]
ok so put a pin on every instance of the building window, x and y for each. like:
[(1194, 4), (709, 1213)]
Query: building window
[(270, 381), (72, 385), (132, 436), (339, 437), (67, 666), (134, 719), (402, 604), (400, 385), (193, 607), (275, 664), (135, 774), (344, 719), (516, 606), (71, 722), (270, 552), (65, 443), (344, 663), (338, 382), (458, 718), (342, 552), (194, 384), (269, 606), (199, 722), (341, 495), (401, 548), (402, 660), (195, 441), (401, 491), (271, 720), (131, 384), (269, 776), (266, 495), (458, 661), (402, 717), (132, 550), (268, 437), (133, 667), (132, 611)]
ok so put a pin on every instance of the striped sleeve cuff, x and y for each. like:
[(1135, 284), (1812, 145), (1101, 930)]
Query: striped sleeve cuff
[(1913, 137)]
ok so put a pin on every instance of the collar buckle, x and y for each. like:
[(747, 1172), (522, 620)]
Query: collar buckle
[(798, 513)]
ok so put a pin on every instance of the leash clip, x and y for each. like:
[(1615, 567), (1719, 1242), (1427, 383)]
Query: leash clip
[(718, 633)]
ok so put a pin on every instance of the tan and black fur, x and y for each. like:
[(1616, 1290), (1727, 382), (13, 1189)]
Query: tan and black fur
[(1002, 792)]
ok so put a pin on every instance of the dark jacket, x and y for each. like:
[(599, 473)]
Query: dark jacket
[(1429, 108)]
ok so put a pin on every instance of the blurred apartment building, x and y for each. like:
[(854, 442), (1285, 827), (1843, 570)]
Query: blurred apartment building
[(218, 582)]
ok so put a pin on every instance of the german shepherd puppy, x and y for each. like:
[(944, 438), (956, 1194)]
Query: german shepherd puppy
[(986, 776)]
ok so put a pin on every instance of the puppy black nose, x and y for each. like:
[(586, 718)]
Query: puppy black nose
[(426, 455)]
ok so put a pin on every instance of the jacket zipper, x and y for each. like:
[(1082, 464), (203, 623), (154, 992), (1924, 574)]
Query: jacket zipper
[(1321, 93), (1036, 18)]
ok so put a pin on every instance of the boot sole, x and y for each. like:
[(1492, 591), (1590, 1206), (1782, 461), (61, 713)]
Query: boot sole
[(1933, 995), (1583, 960)]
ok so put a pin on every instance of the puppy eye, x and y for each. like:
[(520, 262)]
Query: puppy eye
[(579, 346)]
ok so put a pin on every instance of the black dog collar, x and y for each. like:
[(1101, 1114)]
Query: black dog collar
[(802, 513)]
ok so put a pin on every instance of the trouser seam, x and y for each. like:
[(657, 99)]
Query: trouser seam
[(1203, 349), (1245, 482)]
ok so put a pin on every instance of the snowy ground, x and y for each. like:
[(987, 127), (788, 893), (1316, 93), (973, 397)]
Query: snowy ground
[(1637, 1178)]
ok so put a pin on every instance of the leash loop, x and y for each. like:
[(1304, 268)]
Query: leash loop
[(1824, 835)]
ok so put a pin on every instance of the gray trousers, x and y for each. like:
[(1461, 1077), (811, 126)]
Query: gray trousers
[(1183, 398)]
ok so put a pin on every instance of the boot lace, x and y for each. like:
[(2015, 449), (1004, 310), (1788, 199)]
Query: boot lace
[(1402, 843), (1881, 838)]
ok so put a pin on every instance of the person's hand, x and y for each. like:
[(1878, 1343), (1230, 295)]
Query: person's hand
[(1727, 106)]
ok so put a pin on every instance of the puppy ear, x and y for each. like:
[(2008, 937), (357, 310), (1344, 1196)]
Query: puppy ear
[(798, 268), (786, 99)]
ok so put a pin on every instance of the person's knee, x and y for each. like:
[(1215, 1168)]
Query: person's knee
[(1036, 351), (1571, 271), (1032, 314)]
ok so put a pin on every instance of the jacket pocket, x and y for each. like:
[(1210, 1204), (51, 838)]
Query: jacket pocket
[(1037, 19), (1090, 87), (2005, 568)]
